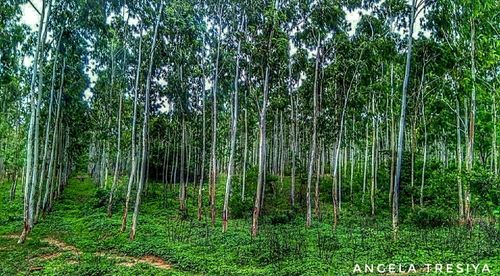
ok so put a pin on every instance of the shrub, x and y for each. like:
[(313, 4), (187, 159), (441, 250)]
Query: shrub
[(430, 217), (281, 217), (238, 208), (100, 198)]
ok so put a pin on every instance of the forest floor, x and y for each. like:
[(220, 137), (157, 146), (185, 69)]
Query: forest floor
[(77, 237), (50, 249)]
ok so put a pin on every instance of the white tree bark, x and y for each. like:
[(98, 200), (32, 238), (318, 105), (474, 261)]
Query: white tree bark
[(402, 124), (144, 154), (32, 146), (234, 127)]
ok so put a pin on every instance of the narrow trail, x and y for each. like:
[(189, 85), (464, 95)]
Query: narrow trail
[(131, 261), (62, 245), (122, 260)]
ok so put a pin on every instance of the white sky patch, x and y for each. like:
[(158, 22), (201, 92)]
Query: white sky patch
[(353, 19), (161, 82), (208, 84), (165, 105), (30, 17), (87, 94), (27, 61), (354, 16), (418, 25)]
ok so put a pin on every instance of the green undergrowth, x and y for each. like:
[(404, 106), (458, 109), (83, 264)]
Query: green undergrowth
[(284, 245)]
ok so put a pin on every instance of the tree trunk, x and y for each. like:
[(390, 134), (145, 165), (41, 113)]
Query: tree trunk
[(339, 179), (459, 165), (164, 166), (203, 152), (145, 129), (317, 211), (494, 140), (32, 146), (55, 133), (312, 155), (262, 146), (472, 118), (213, 157), (118, 142), (393, 139), (413, 146), (374, 142), (422, 183), (133, 151), (47, 133), (365, 167), (352, 150), (182, 184), (282, 153), (293, 133), (402, 123), (234, 127), (245, 153)]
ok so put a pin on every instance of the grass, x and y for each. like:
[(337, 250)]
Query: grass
[(284, 245)]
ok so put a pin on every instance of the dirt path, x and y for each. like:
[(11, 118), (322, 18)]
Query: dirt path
[(62, 245), (121, 260), (131, 261), (13, 236)]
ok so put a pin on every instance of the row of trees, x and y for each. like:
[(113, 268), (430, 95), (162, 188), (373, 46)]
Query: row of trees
[(187, 90), (41, 103)]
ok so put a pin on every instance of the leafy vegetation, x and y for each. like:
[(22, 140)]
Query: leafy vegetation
[(284, 246)]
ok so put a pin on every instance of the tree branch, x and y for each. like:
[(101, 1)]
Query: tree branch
[(31, 3)]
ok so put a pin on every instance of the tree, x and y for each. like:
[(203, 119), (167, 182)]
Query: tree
[(31, 175), (144, 153), (402, 120)]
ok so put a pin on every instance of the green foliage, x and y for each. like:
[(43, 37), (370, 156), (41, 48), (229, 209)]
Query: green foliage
[(284, 246), (429, 217), (240, 209), (100, 198), (280, 217), (485, 189)]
